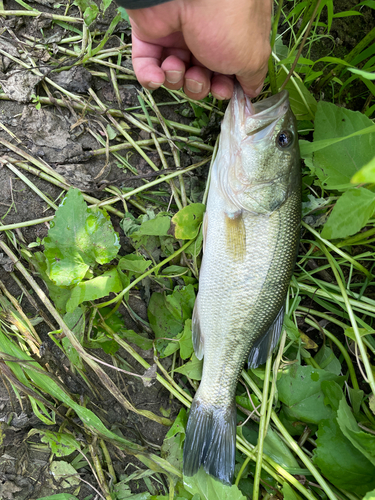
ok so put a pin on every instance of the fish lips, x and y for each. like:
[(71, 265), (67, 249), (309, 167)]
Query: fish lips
[(260, 118)]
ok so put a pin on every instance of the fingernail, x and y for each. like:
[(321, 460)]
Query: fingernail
[(153, 85), (173, 76), (193, 86)]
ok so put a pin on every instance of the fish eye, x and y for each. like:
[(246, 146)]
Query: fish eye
[(284, 139)]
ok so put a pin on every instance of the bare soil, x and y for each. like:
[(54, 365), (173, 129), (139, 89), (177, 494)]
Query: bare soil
[(52, 134)]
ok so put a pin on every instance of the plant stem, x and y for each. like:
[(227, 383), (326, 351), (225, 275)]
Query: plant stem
[(291, 71), (41, 15), (108, 459), (243, 467), (365, 361), (271, 66), (290, 441), (176, 393), (337, 250), (31, 185), (361, 306), (262, 428), (332, 337), (140, 278), (307, 16)]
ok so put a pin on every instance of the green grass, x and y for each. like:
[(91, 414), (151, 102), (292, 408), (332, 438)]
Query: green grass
[(316, 428)]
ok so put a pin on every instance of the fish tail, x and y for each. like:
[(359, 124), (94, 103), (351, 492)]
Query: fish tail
[(210, 440)]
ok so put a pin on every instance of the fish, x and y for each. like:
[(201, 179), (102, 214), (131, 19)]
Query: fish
[(251, 231)]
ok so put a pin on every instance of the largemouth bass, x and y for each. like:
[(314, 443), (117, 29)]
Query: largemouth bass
[(251, 233)]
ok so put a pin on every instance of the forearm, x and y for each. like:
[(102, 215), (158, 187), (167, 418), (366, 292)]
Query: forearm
[(139, 4)]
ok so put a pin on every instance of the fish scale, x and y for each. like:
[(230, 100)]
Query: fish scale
[(251, 233)]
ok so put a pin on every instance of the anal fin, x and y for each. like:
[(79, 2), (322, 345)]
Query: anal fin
[(198, 340), (264, 346)]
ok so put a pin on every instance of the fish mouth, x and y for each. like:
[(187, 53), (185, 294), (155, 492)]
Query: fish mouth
[(271, 105), (259, 119)]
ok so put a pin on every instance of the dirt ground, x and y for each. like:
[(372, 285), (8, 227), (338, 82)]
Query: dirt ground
[(47, 133)]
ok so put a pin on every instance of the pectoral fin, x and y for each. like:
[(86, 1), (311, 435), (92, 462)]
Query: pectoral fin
[(267, 342), (198, 340), (235, 236)]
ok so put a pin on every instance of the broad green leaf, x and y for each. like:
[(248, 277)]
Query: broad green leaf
[(159, 226), (300, 390), (95, 288), (307, 148), (363, 441), (327, 360), (340, 462), (111, 133), (349, 332), (64, 474), (140, 341), (121, 491), (337, 163), (173, 346), (59, 295), (366, 174), (183, 342), (77, 239), (333, 394), (273, 445), (370, 495), (61, 444), (82, 4), (185, 223), (90, 14), (179, 425), (104, 5), (167, 313), (209, 488), (161, 319), (99, 338), (171, 451), (356, 398), (186, 343), (124, 14), (351, 212), (302, 102), (195, 247), (174, 270), (134, 263), (192, 369)]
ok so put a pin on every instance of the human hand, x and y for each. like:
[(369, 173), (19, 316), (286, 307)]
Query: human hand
[(202, 45)]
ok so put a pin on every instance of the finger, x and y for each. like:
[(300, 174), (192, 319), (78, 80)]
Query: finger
[(252, 83), (174, 70), (222, 86), (146, 58), (197, 82)]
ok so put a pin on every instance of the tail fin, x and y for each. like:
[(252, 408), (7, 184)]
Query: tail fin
[(210, 440)]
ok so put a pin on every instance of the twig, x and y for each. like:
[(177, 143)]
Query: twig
[(291, 71)]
